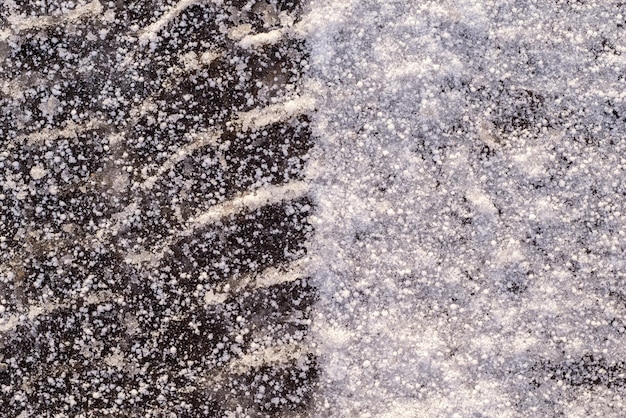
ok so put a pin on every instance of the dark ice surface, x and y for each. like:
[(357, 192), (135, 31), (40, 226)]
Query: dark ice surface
[(120, 126)]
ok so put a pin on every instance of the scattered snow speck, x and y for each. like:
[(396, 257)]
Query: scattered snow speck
[(38, 172)]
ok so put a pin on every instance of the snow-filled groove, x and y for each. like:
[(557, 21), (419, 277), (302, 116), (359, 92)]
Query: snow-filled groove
[(71, 130), (150, 32), (258, 118), (199, 141), (10, 322), (173, 133), (248, 201), (18, 23)]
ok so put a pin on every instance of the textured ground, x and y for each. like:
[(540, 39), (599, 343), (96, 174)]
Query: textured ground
[(332, 208), (471, 188), (152, 210)]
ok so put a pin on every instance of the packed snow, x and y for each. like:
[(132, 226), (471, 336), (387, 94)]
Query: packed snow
[(469, 180)]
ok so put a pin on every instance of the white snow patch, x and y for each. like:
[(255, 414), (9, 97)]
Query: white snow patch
[(468, 195)]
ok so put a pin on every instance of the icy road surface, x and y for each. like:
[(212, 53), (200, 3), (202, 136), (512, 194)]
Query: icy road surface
[(234, 208), (153, 210)]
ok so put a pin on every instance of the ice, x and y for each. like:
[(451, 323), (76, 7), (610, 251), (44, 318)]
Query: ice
[(449, 242)]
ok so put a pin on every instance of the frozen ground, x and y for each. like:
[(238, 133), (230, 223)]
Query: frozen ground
[(470, 185), (330, 209)]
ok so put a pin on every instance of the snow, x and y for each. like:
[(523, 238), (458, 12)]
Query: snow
[(37, 172), (469, 184), (372, 209)]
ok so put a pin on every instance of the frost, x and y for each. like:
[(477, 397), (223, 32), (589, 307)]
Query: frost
[(429, 223), (467, 170)]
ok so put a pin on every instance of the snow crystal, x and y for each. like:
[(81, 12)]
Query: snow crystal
[(37, 172)]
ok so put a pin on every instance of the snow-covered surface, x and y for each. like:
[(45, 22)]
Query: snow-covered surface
[(173, 243), (470, 188)]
